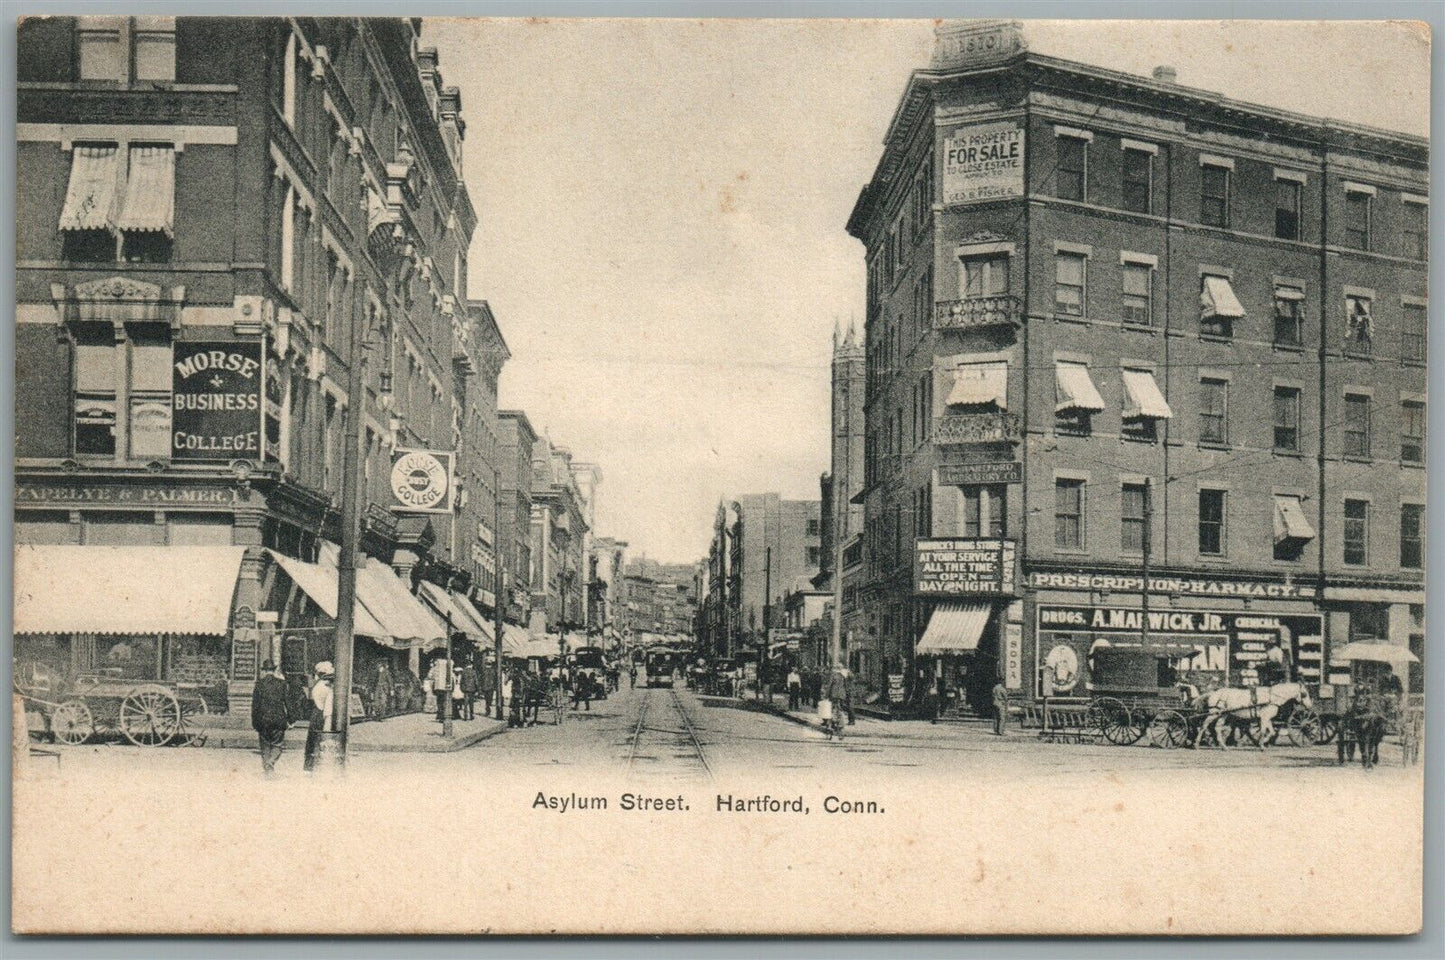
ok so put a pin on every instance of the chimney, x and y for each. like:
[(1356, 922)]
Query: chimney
[(1166, 74)]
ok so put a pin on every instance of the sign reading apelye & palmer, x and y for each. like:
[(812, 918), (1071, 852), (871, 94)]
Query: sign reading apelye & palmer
[(216, 400), (960, 567)]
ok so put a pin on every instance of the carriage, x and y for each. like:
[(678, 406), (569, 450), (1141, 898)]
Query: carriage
[(148, 713)]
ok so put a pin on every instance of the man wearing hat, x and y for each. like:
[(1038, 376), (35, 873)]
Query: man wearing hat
[(270, 714), (320, 710)]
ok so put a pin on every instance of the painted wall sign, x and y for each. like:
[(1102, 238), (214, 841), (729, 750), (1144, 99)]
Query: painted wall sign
[(1129, 583), (983, 162), (1004, 471), (216, 400), (139, 496), (963, 567), (421, 480), (1013, 649)]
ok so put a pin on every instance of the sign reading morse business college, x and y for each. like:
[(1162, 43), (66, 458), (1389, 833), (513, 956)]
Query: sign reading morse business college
[(216, 401)]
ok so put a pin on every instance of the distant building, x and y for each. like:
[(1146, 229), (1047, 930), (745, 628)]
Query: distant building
[(657, 598), (516, 440)]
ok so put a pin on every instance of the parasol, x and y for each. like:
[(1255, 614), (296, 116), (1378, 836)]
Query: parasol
[(1380, 652)]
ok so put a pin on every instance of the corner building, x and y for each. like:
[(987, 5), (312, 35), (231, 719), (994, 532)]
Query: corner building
[(1103, 306)]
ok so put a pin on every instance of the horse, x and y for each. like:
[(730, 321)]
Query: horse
[(1367, 720), (1230, 704)]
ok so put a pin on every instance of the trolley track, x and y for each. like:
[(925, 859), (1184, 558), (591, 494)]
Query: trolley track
[(666, 749)]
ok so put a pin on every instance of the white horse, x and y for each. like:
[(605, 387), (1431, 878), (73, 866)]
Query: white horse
[(1248, 703)]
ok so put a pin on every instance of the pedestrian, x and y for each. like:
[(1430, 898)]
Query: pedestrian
[(487, 677), (795, 689), (518, 693), (1000, 707), (270, 714), (582, 690), (632, 675), (469, 691), (459, 694), (321, 696), (837, 691), (438, 680)]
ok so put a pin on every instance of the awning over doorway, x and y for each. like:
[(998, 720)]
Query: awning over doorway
[(462, 615), (130, 590), (319, 582), (954, 628)]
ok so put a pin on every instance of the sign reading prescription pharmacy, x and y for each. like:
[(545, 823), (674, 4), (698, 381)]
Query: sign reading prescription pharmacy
[(983, 162)]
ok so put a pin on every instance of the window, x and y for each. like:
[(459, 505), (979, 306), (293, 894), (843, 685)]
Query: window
[(812, 528), (1213, 410), (1357, 532), (1144, 405), (1138, 293), (1069, 273), (1211, 522), (1131, 514), (150, 397), (1357, 425), (1069, 514), (119, 203), (984, 510), (985, 277), (1071, 174), (121, 49), (288, 238), (1218, 306), (1292, 530), (1412, 333), (1286, 418), (923, 195), (1357, 219), (1286, 209), (1412, 432), (1415, 230), (1214, 196), (1138, 170), (1359, 325), (1412, 536), (95, 388), (812, 556), (1288, 314)]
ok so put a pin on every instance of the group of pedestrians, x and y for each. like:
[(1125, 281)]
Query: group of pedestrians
[(273, 711), (464, 683)]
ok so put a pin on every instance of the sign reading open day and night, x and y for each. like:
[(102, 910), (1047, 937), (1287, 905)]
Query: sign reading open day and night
[(421, 481), (216, 400), (984, 162), (961, 567)]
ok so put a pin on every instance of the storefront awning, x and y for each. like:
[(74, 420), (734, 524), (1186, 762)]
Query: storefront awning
[(954, 628), (980, 383), (150, 194), (1076, 391), (319, 582), (1379, 652), (1145, 400), (1290, 522), (90, 196), (72, 589), (1217, 299), (405, 618), (455, 609)]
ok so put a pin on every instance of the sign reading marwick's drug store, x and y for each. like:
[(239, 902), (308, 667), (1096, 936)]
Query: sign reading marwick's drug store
[(983, 162), (216, 400), (421, 480), (960, 567)]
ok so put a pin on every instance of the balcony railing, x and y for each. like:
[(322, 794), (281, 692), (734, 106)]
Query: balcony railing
[(976, 313), (978, 428)]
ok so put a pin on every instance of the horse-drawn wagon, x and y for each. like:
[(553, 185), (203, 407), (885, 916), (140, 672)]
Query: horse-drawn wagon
[(147, 713)]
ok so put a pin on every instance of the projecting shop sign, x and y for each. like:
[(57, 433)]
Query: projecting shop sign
[(421, 481), (984, 162), (962, 567), (216, 400)]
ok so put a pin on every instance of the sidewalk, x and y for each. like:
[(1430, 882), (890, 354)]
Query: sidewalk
[(409, 733)]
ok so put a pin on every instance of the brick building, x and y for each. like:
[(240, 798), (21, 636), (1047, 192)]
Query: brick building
[(517, 438), (657, 598), (227, 199), (1100, 304)]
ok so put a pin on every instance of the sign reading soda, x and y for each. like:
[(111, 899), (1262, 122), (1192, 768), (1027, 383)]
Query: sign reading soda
[(216, 400)]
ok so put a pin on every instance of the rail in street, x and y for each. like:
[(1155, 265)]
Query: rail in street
[(666, 750)]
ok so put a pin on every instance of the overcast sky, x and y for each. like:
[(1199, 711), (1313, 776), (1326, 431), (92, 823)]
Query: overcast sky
[(662, 207)]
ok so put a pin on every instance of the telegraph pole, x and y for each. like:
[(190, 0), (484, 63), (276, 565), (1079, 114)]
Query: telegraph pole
[(497, 580), (446, 705), (767, 615), (1144, 594)]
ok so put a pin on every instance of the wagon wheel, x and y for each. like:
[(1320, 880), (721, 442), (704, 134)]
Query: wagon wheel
[(193, 722), (1111, 718), (1169, 729), (1329, 729), (150, 716), (1305, 727), (72, 722)]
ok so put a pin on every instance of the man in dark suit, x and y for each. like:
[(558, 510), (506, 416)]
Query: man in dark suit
[(270, 714)]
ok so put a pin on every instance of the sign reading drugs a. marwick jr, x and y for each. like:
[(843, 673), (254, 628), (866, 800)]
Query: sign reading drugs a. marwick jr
[(983, 162), (962, 567), (421, 480), (216, 400)]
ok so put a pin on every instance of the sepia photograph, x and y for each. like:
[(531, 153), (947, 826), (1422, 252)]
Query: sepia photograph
[(502, 476)]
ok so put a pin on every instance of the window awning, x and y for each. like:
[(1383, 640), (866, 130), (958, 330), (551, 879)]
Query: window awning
[(406, 619), (1076, 391), (73, 589), (1290, 522), (90, 198), (1145, 400), (955, 628), (463, 617), (1217, 299), (150, 193), (980, 383), (319, 582)]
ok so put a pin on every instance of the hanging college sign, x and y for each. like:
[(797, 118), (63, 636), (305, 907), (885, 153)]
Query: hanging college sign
[(421, 481), (983, 162), (216, 400)]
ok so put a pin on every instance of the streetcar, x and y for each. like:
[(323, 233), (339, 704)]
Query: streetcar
[(660, 666)]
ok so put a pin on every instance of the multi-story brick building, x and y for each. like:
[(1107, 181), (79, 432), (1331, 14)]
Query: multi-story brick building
[(1099, 305), (605, 570), (558, 530), (517, 438), (657, 598), (229, 199)]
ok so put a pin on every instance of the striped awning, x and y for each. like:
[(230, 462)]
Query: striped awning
[(456, 610), (1290, 522), (150, 193), (955, 628), (319, 582), (1217, 299), (90, 198), (1075, 390), (1145, 399), (976, 384)]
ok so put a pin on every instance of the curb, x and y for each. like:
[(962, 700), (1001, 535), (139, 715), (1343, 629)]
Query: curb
[(296, 739)]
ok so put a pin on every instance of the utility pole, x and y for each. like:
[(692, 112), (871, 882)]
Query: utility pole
[(497, 581), (447, 729), (1148, 535), (767, 615)]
